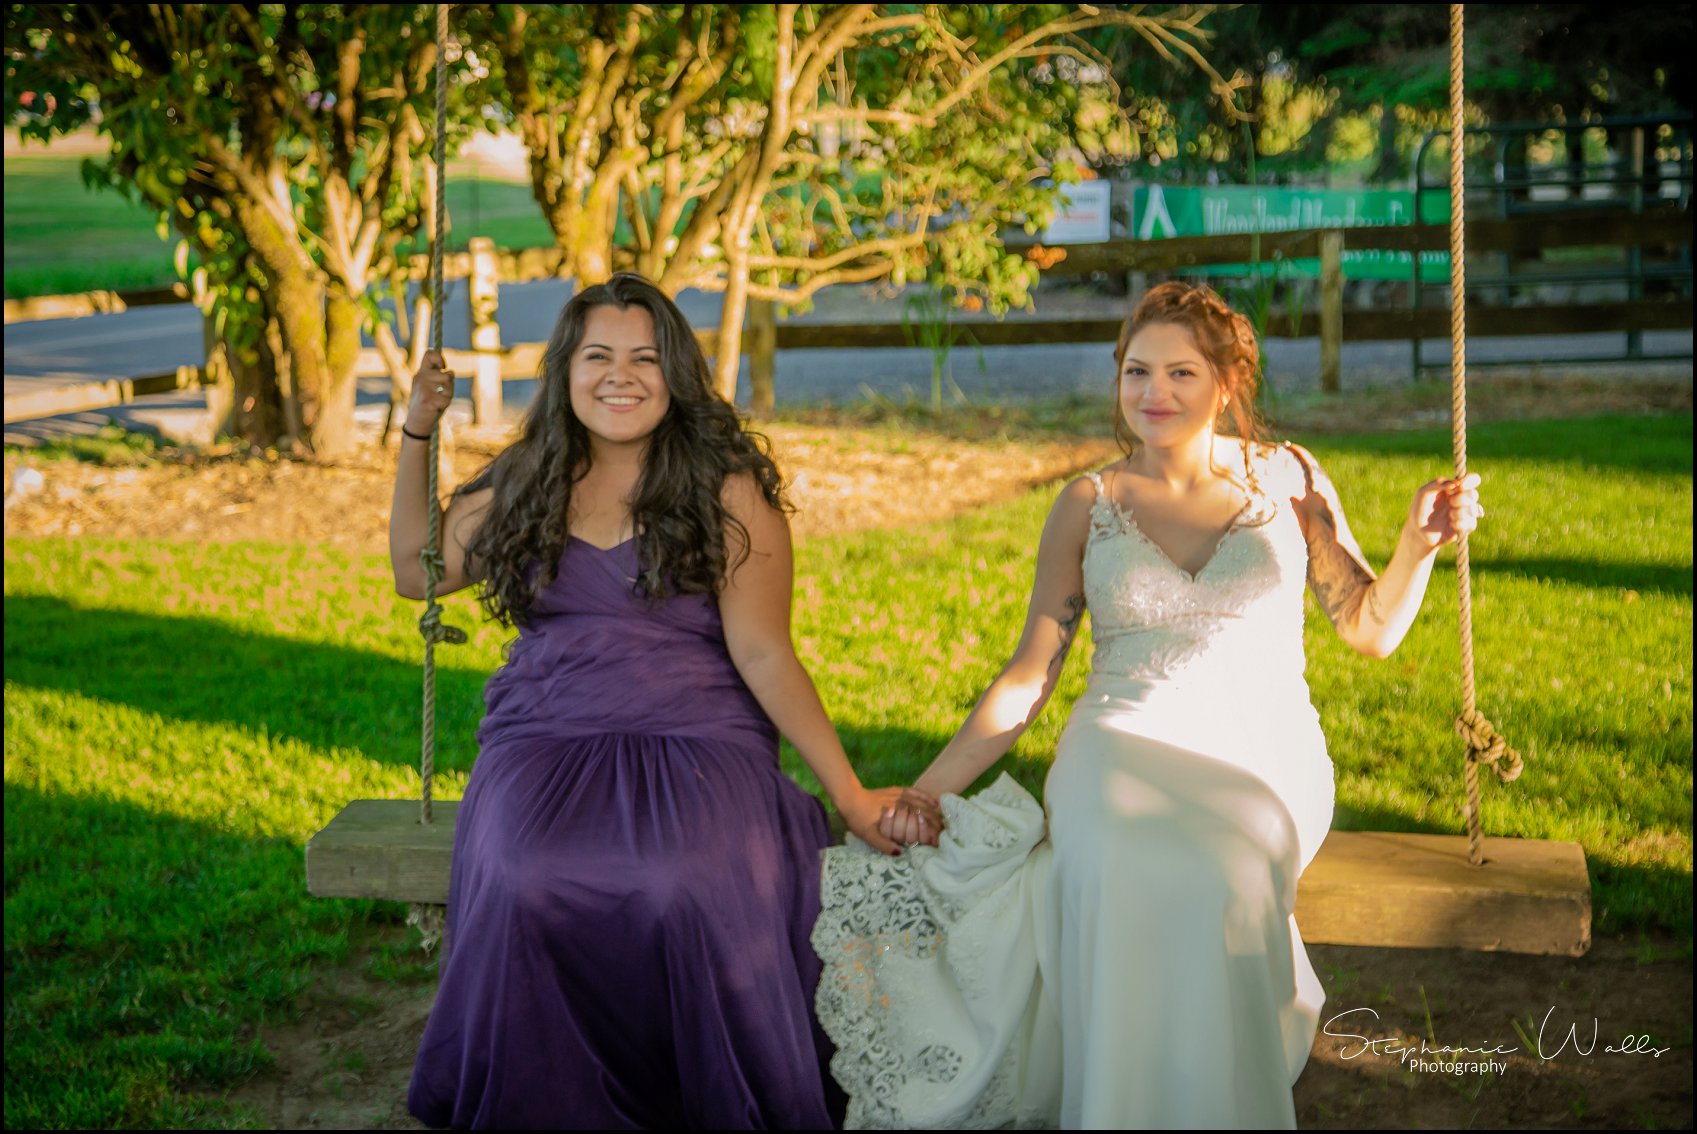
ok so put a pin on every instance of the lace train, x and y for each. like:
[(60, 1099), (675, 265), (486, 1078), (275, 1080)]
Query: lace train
[(930, 999)]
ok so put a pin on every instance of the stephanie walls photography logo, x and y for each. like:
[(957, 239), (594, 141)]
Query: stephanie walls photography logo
[(1554, 1037)]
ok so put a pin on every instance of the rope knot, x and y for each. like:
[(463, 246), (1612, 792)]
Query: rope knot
[(1487, 746), (430, 559), (432, 629), (432, 923)]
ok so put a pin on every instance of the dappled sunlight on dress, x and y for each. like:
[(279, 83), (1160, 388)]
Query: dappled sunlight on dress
[(633, 884), (1130, 958)]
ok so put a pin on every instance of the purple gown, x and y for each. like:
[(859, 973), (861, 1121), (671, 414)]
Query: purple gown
[(633, 887)]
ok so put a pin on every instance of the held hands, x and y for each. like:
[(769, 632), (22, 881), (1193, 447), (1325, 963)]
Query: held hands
[(432, 393), (1443, 511), (867, 811), (911, 825)]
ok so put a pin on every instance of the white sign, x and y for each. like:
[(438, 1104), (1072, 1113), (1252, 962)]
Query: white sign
[(1083, 214)]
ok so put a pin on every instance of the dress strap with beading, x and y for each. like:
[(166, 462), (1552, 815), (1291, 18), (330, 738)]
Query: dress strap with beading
[(1105, 516)]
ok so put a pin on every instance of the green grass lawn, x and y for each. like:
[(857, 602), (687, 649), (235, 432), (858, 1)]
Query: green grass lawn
[(180, 718), (62, 237)]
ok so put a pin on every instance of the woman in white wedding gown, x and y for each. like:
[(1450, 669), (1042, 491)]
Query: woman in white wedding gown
[(1129, 959)]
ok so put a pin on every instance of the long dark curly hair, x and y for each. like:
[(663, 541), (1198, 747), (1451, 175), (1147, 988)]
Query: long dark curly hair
[(676, 509)]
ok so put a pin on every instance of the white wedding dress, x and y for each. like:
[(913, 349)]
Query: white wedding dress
[(1130, 959)]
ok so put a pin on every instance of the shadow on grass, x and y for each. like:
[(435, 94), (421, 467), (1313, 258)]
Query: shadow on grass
[(331, 698), (198, 669), (1659, 443), (326, 696), (126, 989), (1644, 577)]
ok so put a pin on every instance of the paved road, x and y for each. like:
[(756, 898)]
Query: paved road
[(158, 339)]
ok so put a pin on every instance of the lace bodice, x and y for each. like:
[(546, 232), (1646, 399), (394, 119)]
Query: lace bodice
[(1239, 616)]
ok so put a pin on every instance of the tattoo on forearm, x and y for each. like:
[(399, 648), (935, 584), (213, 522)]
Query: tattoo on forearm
[(1069, 627), (1339, 582), (1374, 611)]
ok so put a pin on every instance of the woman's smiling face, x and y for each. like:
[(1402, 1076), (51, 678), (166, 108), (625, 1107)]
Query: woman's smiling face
[(618, 388), (1168, 391)]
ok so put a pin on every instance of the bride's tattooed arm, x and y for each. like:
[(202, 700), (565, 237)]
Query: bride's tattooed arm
[(1069, 630), (1018, 693), (1371, 612), (1341, 581)]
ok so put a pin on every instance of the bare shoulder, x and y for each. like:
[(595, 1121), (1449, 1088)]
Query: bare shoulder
[(1300, 453), (1076, 497), (1301, 467), (752, 524), (466, 509), (743, 497), (474, 498), (1070, 515)]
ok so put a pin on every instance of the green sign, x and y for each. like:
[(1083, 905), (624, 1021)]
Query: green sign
[(1161, 211)]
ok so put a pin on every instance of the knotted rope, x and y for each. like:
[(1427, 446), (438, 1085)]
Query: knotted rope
[(1484, 744), (431, 919), (430, 624)]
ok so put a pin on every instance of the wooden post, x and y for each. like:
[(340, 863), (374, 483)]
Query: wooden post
[(762, 347), (1331, 310), (1635, 254), (485, 332)]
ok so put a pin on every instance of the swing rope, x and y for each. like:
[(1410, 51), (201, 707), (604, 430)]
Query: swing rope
[(430, 624), (430, 919), (1484, 743)]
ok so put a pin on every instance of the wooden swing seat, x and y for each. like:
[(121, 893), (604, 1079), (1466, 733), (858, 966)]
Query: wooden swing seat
[(1419, 892), (377, 848), (1363, 888)]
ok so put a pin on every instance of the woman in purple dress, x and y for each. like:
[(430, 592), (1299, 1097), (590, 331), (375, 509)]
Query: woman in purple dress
[(634, 878)]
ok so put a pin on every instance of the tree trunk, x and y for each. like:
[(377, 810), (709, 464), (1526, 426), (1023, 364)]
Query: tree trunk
[(591, 260), (582, 231), (316, 340), (1516, 167), (400, 378), (1389, 165), (727, 359), (219, 380), (256, 411), (336, 433), (1575, 171), (592, 238), (305, 339), (282, 364), (762, 342)]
